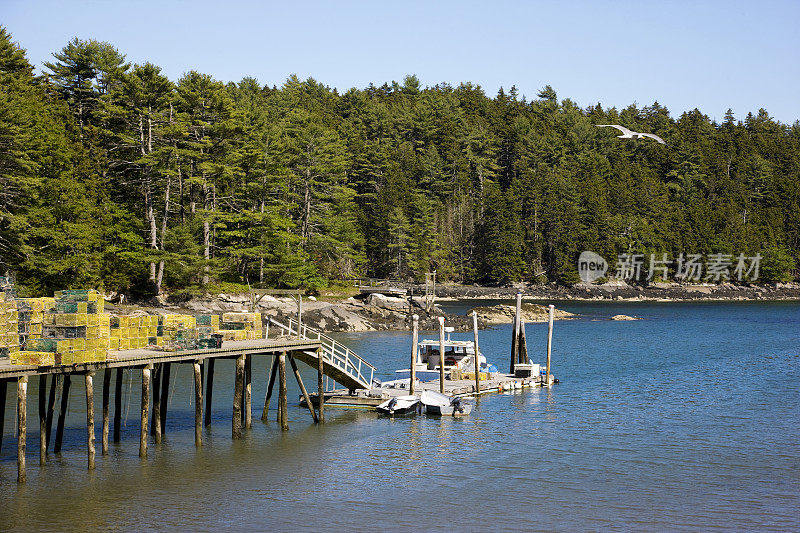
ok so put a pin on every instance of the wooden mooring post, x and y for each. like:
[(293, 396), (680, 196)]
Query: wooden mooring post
[(88, 377), (155, 423), (441, 354), (248, 391), (22, 420), (209, 390), (283, 406), (3, 392), (62, 413), (198, 405), (236, 422), (43, 419), (106, 398), (414, 347), (550, 313), (477, 354), (164, 396), (118, 404), (515, 334), (55, 386), (321, 386), (273, 372), (143, 432)]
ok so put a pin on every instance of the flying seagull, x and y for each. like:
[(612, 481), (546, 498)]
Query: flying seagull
[(628, 134)]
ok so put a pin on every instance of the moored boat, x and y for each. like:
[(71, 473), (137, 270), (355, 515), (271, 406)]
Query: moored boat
[(442, 405), (459, 358), (399, 405)]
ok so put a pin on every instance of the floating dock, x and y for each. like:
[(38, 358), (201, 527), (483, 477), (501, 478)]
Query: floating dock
[(368, 399)]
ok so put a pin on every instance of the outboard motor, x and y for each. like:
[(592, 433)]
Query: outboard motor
[(456, 404)]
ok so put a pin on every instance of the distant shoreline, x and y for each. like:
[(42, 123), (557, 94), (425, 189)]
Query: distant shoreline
[(624, 293)]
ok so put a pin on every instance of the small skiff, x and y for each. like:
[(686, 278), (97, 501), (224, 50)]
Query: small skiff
[(399, 405), (442, 405)]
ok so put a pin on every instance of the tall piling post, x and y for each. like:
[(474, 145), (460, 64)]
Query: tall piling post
[(515, 333), (209, 390), (106, 398), (414, 355), (143, 430), (320, 385), (43, 419), (155, 423), (248, 392), (198, 405), (550, 313), (22, 420), (164, 396), (3, 392), (283, 407), (89, 378), (117, 404), (55, 386), (236, 422), (62, 413), (477, 354), (270, 384), (441, 354)]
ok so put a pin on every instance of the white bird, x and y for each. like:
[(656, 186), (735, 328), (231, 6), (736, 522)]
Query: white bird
[(628, 134)]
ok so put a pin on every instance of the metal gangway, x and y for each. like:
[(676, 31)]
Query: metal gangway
[(340, 363)]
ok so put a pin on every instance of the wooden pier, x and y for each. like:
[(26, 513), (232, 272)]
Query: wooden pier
[(321, 353)]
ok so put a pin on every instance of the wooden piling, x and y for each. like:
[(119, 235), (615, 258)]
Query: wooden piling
[(155, 417), (236, 425), (198, 405), (268, 397), (143, 430), (515, 334), (164, 395), (51, 403), (248, 391), (3, 392), (414, 347), (117, 404), (209, 390), (320, 385), (90, 418), (550, 313), (106, 398), (43, 419), (283, 406), (477, 354), (303, 389), (523, 345), (441, 354), (62, 413), (22, 394)]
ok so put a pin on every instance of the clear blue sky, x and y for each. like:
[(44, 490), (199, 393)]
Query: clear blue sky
[(684, 54)]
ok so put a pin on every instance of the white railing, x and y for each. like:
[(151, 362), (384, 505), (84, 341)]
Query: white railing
[(334, 353)]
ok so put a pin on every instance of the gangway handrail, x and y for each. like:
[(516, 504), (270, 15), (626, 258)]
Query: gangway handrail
[(336, 354)]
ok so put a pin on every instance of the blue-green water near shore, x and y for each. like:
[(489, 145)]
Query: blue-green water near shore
[(688, 419)]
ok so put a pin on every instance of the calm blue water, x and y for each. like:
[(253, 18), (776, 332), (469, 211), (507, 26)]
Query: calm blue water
[(689, 419)]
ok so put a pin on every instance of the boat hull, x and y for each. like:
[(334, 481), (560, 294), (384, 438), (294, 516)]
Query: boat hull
[(401, 405)]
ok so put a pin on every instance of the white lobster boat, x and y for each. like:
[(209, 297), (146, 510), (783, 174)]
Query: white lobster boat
[(457, 355)]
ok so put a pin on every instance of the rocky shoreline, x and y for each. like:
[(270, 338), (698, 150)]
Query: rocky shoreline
[(622, 291), (376, 312)]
